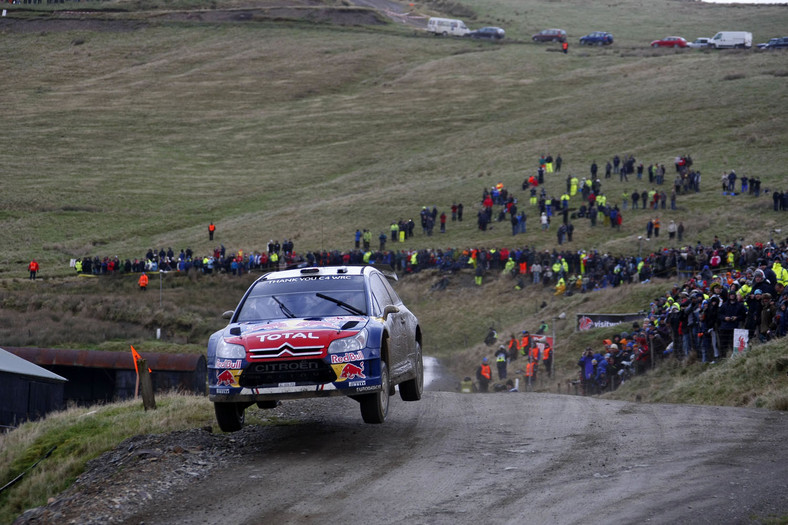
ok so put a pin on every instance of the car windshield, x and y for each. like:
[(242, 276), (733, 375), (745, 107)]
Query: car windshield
[(308, 296)]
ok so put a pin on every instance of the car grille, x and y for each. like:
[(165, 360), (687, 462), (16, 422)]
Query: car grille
[(295, 371), (285, 350)]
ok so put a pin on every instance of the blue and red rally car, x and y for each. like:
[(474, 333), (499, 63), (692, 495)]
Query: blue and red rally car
[(315, 332)]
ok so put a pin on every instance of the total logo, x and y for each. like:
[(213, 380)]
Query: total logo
[(287, 336), (346, 358)]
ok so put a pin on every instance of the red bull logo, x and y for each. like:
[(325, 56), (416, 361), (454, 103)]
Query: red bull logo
[(345, 358), (224, 379), (585, 323), (351, 371)]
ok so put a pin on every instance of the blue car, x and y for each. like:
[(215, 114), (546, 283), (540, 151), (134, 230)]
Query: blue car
[(315, 332), (493, 33), (597, 38)]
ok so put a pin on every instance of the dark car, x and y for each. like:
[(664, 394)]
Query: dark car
[(670, 41), (315, 332), (550, 35), (775, 43), (493, 33), (597, 38)]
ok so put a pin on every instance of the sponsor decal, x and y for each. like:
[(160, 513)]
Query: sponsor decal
[(229, 363), (308, 278), (591, 321), (287, 336), (366, 388), (225, 378), (288, 366), (287, 384), (585, 323), (346, 358), (356, 383), (222, 390), (351, 371)]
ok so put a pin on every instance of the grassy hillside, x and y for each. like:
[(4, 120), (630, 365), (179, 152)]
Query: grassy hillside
[(116, 140)]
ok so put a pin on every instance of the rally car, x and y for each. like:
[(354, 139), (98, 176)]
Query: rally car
[(315, 332)]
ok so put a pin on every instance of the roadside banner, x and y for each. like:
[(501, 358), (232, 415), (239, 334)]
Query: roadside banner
[(591, 321)]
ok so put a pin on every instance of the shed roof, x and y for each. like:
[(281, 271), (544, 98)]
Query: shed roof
[(113, 360), (16, 365)]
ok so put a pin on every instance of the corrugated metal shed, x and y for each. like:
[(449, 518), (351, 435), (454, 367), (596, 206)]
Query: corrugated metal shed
[(27, 391), (14, 364), (99, 376), (100, 359)]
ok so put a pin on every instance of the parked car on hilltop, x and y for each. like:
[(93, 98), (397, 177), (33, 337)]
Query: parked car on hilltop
[(550, 35), (775, 43), (492, 33), (699, 43), (597, 38), (670, 41)]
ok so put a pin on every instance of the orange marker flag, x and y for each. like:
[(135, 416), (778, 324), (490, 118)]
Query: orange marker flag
[(137, 357)]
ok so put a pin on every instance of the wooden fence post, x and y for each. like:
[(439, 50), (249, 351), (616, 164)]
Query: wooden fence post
[(146, 384)]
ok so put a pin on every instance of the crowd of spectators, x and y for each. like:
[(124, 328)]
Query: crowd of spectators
[(699, 319)]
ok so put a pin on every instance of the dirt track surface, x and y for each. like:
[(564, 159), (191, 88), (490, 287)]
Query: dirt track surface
[(450, 458)]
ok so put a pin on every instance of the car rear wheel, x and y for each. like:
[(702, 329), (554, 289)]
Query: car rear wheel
[(654, 45), (675, 46), (230, 416), (599, 43), (412, 389), (375, 407)]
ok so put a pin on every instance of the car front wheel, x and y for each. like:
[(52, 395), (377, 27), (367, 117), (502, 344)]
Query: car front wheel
[(375, 406), (654, 45), (230, 416), (412, 389)]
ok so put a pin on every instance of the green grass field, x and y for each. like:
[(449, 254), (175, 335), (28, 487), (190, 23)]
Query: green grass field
[(116, 141)]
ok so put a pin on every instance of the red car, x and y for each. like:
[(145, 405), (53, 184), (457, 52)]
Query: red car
[(670, 41)]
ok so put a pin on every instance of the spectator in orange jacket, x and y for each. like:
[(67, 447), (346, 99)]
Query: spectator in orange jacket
[(33, 269), (143, 281)]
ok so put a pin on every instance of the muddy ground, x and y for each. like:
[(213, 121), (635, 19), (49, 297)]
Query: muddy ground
[(449, 458)]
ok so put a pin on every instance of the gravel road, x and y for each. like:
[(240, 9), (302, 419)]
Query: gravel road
[(450, 458)]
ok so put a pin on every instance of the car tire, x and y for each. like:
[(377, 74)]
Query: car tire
[(445, 33), (599, 43), (375, 406), (230, 416), (675, 46), (654, 45), (412, 389), (267, 405)]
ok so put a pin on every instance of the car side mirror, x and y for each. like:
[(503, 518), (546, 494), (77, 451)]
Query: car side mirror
[(390, 309), (228, 314)]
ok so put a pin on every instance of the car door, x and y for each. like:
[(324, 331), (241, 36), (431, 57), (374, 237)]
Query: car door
[(398, 325)]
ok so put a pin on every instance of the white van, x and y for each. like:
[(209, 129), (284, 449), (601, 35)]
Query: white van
[(727, 39), (447, 26)]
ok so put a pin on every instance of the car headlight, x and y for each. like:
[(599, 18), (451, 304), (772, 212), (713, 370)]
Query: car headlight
[(353, 343), (229, 350)]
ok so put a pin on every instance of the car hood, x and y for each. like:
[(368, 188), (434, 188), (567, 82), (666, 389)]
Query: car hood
[(290, 335)]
